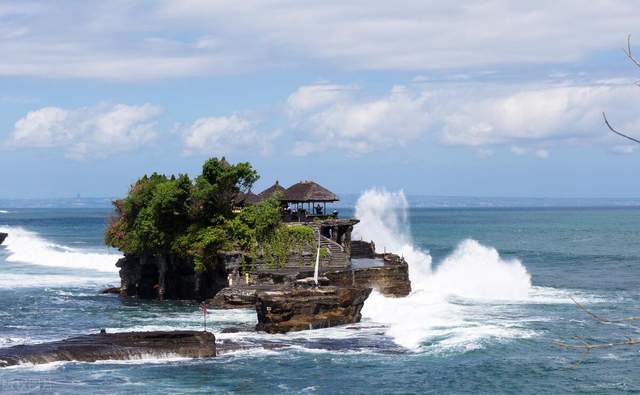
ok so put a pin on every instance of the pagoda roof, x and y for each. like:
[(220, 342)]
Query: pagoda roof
[(308, 191), (246, 198), (272, 190)]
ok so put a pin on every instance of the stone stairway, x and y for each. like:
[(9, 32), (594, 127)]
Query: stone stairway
[(336, 258)]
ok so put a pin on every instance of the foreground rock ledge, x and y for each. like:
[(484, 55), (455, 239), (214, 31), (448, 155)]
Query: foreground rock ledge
[(114, 346), (296, 309)]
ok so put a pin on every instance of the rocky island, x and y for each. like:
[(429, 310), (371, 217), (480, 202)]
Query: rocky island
[(213, 239)]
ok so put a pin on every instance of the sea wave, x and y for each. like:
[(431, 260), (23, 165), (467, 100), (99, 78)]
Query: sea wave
[(13, 281), (25, 246), (455, 306)]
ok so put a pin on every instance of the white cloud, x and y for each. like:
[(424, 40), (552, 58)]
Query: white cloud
[(530, 116), (174, 38), (337, 118), (528, 120), (519, 150), (542, 153), (624, 149), (311, 97), (223, 135), (88, 132)]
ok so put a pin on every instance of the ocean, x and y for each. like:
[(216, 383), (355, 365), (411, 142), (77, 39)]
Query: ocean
[(492, 281)]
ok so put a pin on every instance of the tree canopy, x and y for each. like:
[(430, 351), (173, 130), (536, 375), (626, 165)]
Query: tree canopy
[(194, 219)]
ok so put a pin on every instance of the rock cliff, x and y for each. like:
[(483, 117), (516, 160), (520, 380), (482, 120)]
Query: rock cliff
[(297, 308), (2, 237), (168, 277)]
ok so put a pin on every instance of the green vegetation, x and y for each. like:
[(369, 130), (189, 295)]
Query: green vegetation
[(195, 219)]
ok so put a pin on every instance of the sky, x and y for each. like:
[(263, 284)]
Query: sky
[(465, 98)]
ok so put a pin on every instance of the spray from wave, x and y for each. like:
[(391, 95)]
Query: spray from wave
[(384, 219), (27, 247), (473, 272)]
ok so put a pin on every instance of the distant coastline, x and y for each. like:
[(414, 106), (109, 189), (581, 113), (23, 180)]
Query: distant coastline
[(348, 200)]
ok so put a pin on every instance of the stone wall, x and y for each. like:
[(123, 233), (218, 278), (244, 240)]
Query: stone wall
[(363, 249)]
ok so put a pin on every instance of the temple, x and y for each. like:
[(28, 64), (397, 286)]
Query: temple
[(349, 269), (305, 203)]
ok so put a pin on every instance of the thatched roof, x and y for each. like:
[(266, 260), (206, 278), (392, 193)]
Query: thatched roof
[(308, 191), (246, 198), (272, 190)]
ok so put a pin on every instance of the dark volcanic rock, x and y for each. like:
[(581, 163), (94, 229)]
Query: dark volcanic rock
[(2, 237), (112, 290), (296, 309), (114, 346), (391, 279), (169, 277), (235, 298)]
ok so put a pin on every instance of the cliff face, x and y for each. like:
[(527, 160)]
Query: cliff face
[(168, 277), (296, 309)]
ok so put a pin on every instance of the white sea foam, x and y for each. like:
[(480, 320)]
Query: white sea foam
[(10, 280), (142, 359), (454, 306), (4, 212), (28, 247)]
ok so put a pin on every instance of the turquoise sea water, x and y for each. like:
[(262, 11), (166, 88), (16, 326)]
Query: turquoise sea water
[(477, 322)]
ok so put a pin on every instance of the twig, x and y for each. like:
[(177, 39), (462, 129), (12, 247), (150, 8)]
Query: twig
[(628, 52), (592, 346), (606, 121), (602, 319)]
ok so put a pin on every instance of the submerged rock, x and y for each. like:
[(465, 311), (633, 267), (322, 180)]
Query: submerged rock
[(114, 346), (111, 290), (2, 237), (296, 309)]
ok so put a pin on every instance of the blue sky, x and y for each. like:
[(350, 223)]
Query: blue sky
[(490, 98)]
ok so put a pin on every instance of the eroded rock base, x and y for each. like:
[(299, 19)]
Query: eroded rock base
[(298, 308)]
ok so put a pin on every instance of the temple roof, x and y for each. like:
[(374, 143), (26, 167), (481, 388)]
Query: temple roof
[(272, 190), (308, 191), (246, 198)]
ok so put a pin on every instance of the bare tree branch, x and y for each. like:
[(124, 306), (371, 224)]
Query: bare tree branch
[(586, 346), (594, 346), (631, 57), (606, 121), (629, 53), (602, 319)]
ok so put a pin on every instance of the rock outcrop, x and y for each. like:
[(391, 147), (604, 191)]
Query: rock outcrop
[(168, 277), (114, 346), (390, 279), (2, 237), (235, 298), (297, 308)]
